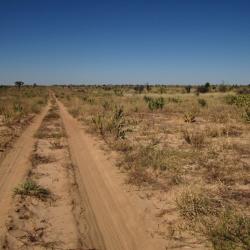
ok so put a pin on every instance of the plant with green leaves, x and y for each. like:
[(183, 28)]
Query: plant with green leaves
[(31, 188), (118, 123), (154, 103)]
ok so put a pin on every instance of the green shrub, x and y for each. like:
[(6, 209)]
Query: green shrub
[(111, 122), (18, 108), (98, 121), (118, 123), (231, 231), (246, 114), (238, 100), (154, 103), (31, 188), (174, 99)]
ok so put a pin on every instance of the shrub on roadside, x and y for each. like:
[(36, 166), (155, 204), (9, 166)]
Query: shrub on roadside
[(31, 188)]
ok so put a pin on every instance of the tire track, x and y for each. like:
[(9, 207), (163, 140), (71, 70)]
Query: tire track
[(116, 223), (14, 167)]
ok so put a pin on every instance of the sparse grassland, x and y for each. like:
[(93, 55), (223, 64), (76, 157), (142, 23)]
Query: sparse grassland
[(17, 108), (175, 139)]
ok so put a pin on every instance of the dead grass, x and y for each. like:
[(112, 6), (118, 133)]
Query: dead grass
[(189, 141), (140, 177), (37, 159), (229, 231), (195, 138), (56, 144), (17, 109), (193, 205)]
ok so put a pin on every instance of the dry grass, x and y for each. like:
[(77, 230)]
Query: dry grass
[(37, 159), (17, 109), (183, 141)]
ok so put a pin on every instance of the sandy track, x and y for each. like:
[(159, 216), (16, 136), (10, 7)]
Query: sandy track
[(14, 166), (115, 222), (101, 215)]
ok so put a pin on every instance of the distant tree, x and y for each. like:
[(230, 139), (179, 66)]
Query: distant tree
[(207, 85), (34, 85), (19, 84), (188, 88), (148, 87), (222, 88), (139, 88), (204, 88)]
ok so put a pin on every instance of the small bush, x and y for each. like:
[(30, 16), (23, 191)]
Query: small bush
[(196, 139), (154, 103), (193, 205), (8, 117), (243, 91), (174, 99), (118, 123), (202, 102), (238, 100), (189, 117), (203, 89), (246, 114), (18, 108), (38, 159), (188, 88), (229, 232), (98, 122), (113, 123), (147, 157), (31, 188)]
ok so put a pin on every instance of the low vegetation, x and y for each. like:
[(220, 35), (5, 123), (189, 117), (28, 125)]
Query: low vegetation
[(18, 106), (31, 188), (191, 140)]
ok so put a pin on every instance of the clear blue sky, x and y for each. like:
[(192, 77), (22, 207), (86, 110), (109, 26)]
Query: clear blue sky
[(129, 41)]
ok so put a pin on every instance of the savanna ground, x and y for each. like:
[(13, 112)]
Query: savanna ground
[(185, 150), (17, 109), (184, 153)]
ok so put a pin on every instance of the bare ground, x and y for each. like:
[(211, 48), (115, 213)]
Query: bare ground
[(14, 167), (86, 207)]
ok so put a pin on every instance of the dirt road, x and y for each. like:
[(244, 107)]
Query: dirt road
[(87, 208), (14, 167), (116, 219)]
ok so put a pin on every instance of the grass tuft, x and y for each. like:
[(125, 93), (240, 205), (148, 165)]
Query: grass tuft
[(31, 188)]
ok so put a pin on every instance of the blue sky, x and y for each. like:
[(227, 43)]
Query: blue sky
[(130, 41)]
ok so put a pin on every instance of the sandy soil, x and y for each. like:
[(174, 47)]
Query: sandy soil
[(88, 206), (14, 167), (119, 222)]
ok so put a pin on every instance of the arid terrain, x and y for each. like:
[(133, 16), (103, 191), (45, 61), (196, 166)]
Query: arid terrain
[(125, 167)]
